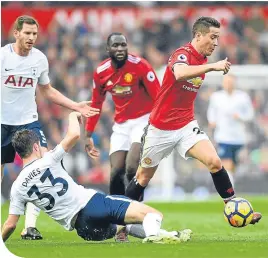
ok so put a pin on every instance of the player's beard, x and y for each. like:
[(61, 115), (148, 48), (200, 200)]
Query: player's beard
[(119, 63)]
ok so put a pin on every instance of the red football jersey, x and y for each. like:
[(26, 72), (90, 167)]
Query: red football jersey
[(133, 87), (174, 105)]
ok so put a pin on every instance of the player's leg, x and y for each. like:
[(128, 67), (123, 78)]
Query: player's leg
[(119, 146), (117, 177), (138, 129), (155, 145), (7, 150), (30, 232), (227, 155), (231, 165), (132, 164), (151, 220), (132, 161), (122, 210), (205, 152), (196, 144), (7, 156)]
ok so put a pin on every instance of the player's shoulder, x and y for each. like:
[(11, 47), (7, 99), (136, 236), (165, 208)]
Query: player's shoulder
[(181, 54), (133, 59), (6, 49), (38, 53), (104, 65), (183, 49)]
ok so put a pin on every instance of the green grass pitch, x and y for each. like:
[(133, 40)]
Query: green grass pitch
[(212, 237)]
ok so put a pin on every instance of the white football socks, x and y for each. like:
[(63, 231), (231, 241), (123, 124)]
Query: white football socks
[(32, 212), (152, 224), (136, 230)]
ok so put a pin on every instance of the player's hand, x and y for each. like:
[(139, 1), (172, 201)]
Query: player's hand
[(222, 65), (92, 152), (86, 110)]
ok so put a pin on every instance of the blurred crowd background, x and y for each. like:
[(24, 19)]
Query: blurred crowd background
[(73, 37)]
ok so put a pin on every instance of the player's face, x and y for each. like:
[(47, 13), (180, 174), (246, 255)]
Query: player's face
[(27, 36), (209, 41), (117, 49)]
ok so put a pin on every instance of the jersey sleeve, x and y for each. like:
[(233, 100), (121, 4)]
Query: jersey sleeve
[(181, 56), (44, 79), (17, 204), (98, 97), (149, 79), (57, 154)]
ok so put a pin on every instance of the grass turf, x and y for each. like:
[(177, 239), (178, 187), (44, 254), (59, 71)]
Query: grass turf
[(213, 237)]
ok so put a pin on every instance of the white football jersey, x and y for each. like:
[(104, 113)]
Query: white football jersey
[(221, 110), (19, 77), (46, 184)]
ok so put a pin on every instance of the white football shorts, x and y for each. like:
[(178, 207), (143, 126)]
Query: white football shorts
[(126, 133), (158, 144)]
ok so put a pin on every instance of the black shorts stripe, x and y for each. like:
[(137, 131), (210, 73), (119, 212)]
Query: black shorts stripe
[(143, 140)]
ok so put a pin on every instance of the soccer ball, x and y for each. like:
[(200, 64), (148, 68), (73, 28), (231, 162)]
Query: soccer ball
[(238, 212)]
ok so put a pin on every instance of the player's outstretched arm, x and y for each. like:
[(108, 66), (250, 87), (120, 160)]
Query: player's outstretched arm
[(73, 133), (9, 226), (55, 96), (184, 72)]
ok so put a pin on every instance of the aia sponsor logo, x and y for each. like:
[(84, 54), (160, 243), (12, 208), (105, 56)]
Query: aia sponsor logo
[(14, 81)]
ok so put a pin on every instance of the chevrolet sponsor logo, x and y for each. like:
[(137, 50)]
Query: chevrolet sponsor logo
[(121, 90)]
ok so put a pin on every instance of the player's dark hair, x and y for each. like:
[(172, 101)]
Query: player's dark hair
[(24, 19), (203, 24), (23, 141), (115, 34)]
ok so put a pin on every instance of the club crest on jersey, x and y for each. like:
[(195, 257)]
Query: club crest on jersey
[(196, 82), (147, 161), (34, 71), (150, 76), (128, 77), (182, 57)]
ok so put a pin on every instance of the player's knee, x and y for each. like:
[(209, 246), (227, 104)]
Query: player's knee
[(117, 173), (214, 164), (148, 209), (160, 214)]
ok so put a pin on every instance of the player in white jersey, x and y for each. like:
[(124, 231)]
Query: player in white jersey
[(44, 182), (23, 67), (228, 111)]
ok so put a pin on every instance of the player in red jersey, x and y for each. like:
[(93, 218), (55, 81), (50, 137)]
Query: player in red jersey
[(133, 84), (172, 123)]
